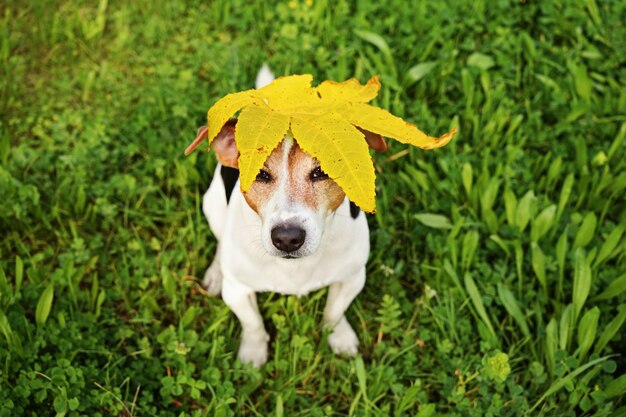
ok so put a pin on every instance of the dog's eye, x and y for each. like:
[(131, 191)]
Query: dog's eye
[(263, 176), (317, 174)]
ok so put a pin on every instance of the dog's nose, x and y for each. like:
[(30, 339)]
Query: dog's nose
[(288, 238)]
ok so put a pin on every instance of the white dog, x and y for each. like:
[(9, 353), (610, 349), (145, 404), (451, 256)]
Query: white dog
[(294, 231)]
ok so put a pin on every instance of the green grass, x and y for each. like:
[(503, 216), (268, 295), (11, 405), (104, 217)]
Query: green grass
[(496, 283)]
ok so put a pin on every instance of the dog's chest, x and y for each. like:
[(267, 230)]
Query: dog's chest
[(342, 253), (287, 276)]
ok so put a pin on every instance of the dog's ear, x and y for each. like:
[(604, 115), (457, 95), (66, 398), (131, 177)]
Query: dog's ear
[(223, 144), (200, 136), (374, 140)]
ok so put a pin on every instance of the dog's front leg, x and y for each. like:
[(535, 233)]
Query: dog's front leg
[(342, 339), (242, 301), (213, 276)]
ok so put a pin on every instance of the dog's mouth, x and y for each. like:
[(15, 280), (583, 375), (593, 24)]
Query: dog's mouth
[(289, 256)]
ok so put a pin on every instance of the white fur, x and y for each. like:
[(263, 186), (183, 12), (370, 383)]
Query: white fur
[(334, 254), (284, 209), (264, 77)]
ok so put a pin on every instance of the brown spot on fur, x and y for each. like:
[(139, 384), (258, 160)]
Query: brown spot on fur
[(260, 192), (319, 195)]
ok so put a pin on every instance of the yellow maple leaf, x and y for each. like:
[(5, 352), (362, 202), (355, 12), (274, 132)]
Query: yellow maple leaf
[(324, 121), (349, 91), (224, 108), (342, 152), (289, 92), (380, 121), (259, 130)]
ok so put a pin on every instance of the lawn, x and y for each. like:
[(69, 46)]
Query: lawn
[(497, 276)]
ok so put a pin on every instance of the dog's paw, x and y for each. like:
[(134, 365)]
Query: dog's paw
[(212, 280), (343, 340), (253, 349)]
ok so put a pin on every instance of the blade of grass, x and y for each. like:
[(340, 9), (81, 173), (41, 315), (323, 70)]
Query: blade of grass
[(561, 251), (4, 284), (19, 273), (538, 262), (609, 245), (616, 387), (524, 210), (617, 142), (447, 266), (436, 221), (512, 307), (467, 178), (477, 301), (565, 327), (551, 344), (470, 243), (582, 282), (566, 191), (519, 264), (611, 329), (615, 288), (44, 305), (586, 231), (419, 71), (510, 206), (587, 331), (542, 223)]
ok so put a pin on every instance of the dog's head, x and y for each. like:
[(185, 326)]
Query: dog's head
[(291, 194)]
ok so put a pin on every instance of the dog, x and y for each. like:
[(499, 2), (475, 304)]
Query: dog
[(294, 231)]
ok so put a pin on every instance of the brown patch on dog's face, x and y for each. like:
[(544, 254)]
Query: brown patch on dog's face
[(262, 189), (310, 185), (292, 176)]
